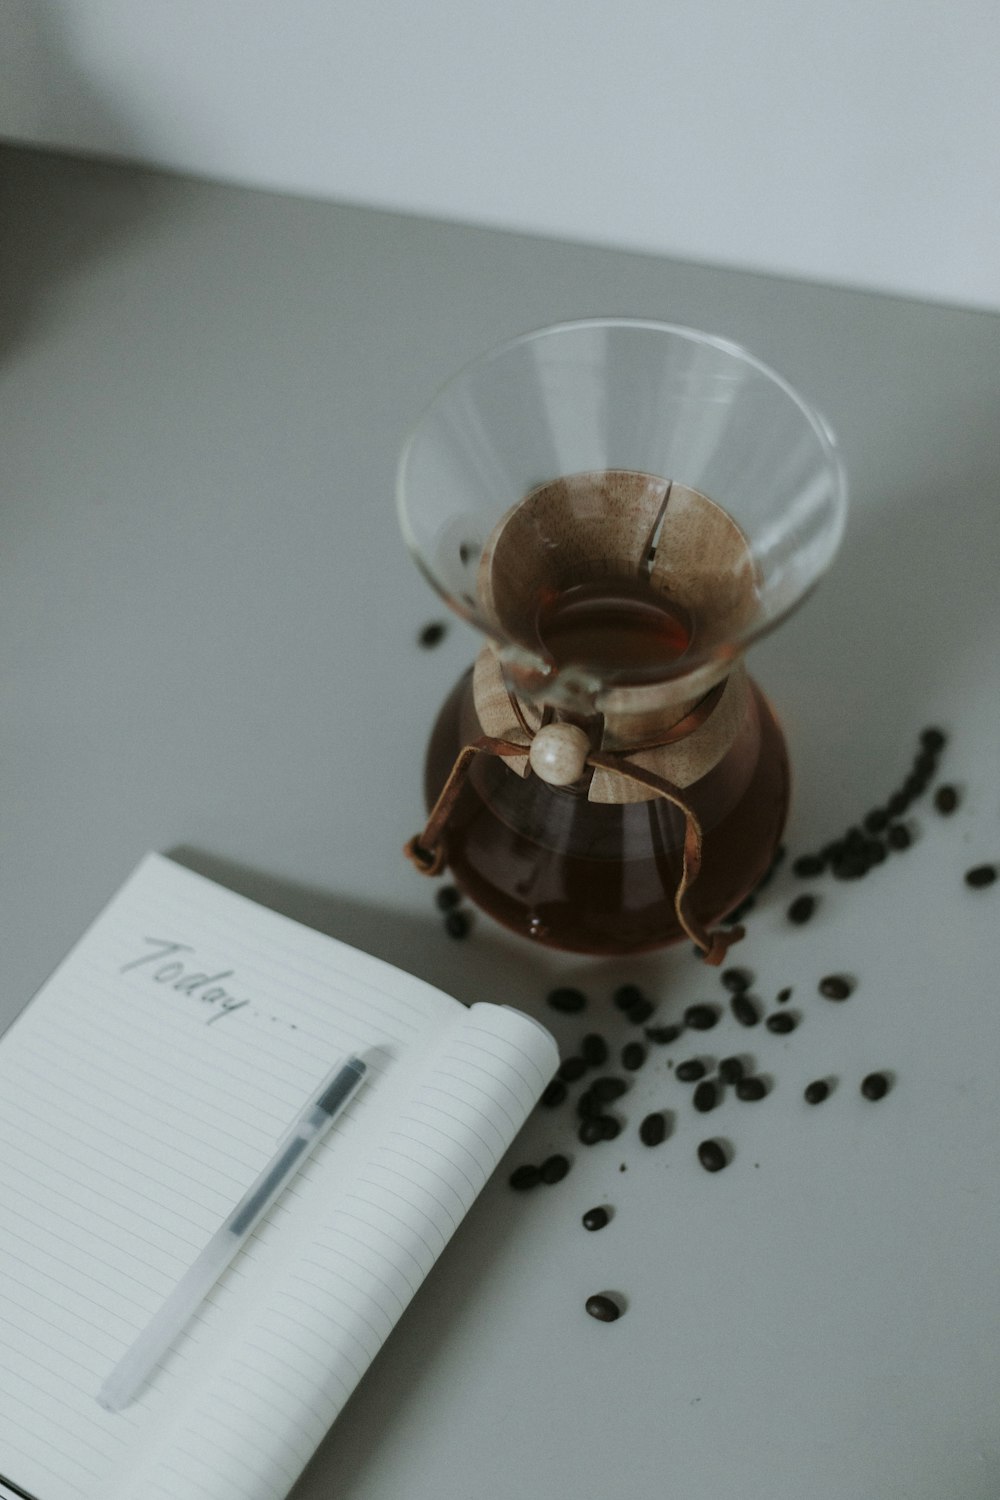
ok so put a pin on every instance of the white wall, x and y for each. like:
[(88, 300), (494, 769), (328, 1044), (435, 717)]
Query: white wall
[(855, 141)]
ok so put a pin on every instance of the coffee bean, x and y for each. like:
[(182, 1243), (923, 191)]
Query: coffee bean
[(854, 840), (897, 803), (731, 1069), (701, 1017), (594, 1050), (801, 909), (706, 1096), (554, 1094), (572, 1068), (432, 634), (712, 1155), (781, 1022), (524, 1177), (875, 1086), (876, 820), (751, 1089), (808, 865), (633, 1056), (626, 995), (653, 1129), (736, 980), (744, 1009), (457, 924), (447, 898), (836, 986), (603, 1308), (640, 1011), (925, 764), (610, 1127), (946, 799), (916, 784), (852, 865), (899, 836), (663, 1035), (980, 876), (833, 851), (933, 739), (589, 1132), (607, 1089), (595, 1218), (567, 999), (783, 995), (816, 1092), (588, 1106), (553, 1168), (690, 1070)]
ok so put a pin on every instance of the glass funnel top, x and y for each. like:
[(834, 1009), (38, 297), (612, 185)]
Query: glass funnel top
[(617, 502)]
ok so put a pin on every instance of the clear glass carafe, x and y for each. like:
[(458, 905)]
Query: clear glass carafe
[(621, 507)]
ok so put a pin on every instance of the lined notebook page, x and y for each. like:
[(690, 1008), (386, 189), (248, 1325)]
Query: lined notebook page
[(140, 1094)]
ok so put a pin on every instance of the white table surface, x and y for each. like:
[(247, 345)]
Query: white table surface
[(207, 643)]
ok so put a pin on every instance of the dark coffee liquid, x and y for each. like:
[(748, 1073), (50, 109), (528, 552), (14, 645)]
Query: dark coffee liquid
[(616, 626), (600, 878)]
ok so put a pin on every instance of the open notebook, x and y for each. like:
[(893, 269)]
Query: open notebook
[(141, 1092)]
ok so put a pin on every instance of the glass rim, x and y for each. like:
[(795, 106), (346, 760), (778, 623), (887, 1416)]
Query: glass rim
[(817, 423)]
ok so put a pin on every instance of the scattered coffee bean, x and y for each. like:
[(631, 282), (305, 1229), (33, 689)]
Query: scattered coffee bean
[(898, 836), (808, 865), (706, 1096), (447, 898), (432, 634), (640, 1011), (731, 1069), (626, 995), (663, 1035), (875, 1086), (653, 1129), (836, 986), (816, 1092), (897, 803), (457, 924), (571, 1068), (522, 1178), (712, 1155), (877, 820), (781, 1022), (567, 999), (701, 1017), (603, 1308), (946, 799), (607, 1089), (933, 739), (554, 1168), (980, 876), (554, 1094), (736, 980), (802, 909), (588, 1106), (595, 1218), (610, 1127), (783, 996), (589, 1132), (853, 865), (751, 1089), (745, 1009), (594, 1050), (633, 1056), (690, 1070)]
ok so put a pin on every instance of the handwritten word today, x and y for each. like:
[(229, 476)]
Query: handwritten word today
[(165, 968)]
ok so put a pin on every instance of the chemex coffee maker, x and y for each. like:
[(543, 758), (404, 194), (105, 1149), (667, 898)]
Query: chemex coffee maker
[(620, 507)]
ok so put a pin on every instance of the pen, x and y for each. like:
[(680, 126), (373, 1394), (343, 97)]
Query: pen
[(311, 1125)]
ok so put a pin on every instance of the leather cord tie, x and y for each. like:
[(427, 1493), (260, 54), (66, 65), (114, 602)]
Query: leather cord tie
[(426, 850)]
